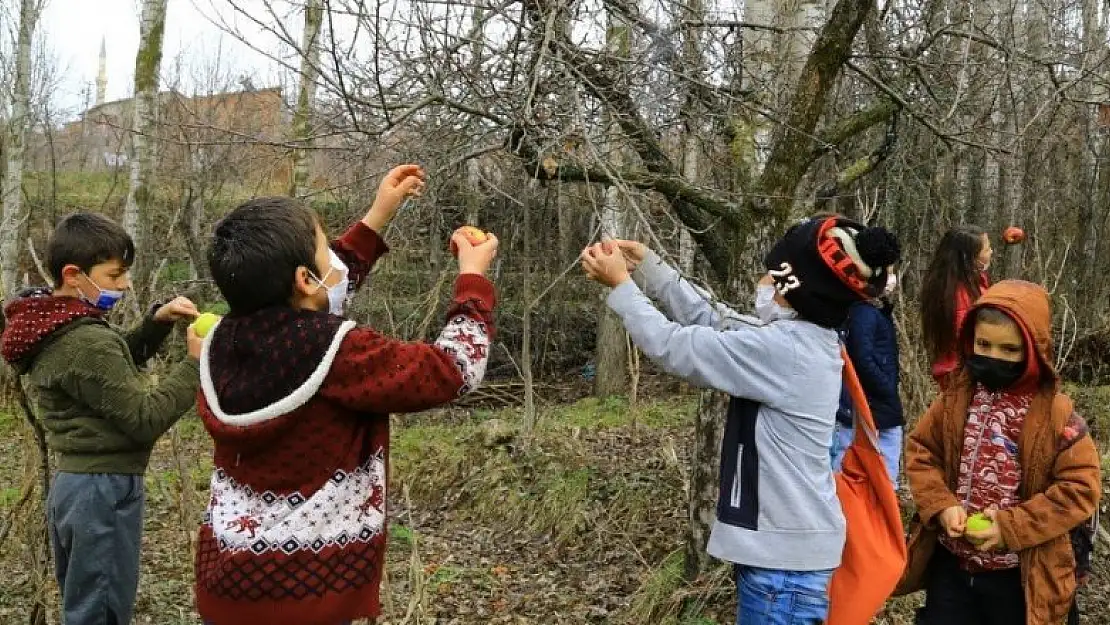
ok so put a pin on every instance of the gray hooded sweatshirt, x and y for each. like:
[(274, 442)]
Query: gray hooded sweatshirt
[(777, 507)]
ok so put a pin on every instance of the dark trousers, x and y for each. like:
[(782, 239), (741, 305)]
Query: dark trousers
[(96, 527), (956, 597)]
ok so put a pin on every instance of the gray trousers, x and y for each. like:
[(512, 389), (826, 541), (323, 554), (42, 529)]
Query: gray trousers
[(96, 526)]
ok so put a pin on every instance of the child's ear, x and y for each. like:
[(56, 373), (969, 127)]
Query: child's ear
[(71, 276), (303, 283)]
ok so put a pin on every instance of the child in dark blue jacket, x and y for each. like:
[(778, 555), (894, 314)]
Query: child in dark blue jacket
[(872, 344)]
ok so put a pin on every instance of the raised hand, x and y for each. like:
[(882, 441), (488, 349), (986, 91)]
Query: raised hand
[(605, 263), (475, 258), (401, 183), (634, 252)]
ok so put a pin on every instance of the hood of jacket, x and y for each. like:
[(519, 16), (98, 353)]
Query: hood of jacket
[(36, 317), (259, 368), (1029, 305)]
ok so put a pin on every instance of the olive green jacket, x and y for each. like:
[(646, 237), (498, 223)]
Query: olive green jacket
[(101, 414)]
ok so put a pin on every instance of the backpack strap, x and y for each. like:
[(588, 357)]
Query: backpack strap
[(861, 411)]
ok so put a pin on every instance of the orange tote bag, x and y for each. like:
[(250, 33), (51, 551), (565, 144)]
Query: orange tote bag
[(875, 549)]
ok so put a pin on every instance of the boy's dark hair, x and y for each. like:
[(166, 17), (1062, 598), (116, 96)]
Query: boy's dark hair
[(86, 240), (257, 248)]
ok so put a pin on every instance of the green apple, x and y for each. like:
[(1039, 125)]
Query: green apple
[(204, 323), (978, 522)]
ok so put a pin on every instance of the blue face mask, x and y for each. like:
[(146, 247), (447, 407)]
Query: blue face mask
[(106, 299)]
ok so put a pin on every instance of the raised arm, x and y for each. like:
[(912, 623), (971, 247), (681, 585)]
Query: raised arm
[(681, 300), (146, 338), (377, 374), (359, 248), (362, 245), (752, 362), (102, 377)]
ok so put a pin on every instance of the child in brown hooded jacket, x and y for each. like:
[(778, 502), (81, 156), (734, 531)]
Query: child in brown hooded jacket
[(1001, 440)]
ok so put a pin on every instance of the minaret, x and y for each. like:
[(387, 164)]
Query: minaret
[(102, 75)]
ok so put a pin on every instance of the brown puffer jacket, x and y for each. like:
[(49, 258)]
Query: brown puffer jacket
[(1060, 482)]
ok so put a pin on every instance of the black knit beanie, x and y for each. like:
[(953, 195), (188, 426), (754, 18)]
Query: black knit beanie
[(824, 264)]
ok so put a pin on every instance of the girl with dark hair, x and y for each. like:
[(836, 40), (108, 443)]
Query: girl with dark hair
[(956, 278)]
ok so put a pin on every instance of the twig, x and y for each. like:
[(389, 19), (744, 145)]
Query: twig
[(38, 263), (24, 497)]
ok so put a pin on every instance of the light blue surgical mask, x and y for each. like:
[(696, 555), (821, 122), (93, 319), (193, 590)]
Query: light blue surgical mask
[(106, 299)]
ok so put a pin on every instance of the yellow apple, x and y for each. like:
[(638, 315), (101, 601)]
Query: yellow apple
[(475, 235)]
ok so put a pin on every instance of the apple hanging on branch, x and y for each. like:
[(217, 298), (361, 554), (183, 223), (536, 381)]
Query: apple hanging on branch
[(1013, 235)]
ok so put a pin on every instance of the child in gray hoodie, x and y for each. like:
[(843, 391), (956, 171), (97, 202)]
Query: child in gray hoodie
[(778, 517)]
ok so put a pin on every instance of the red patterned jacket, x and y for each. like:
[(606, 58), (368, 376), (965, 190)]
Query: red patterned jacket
[(298, 403)]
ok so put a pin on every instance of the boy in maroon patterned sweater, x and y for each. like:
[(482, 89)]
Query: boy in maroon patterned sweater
[(297, 401)]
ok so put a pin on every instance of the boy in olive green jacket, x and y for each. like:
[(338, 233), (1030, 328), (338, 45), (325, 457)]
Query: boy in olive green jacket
[(101, 414)]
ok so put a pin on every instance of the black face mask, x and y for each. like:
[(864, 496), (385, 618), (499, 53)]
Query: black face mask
[(993, 373)]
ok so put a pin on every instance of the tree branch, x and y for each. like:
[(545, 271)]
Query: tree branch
[(689, 205), (943, 136), (849, 127), (862, 166), (791, 142)]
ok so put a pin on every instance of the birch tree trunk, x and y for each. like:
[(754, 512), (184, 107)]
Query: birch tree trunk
[(14, 223), (708, 425), (473, 166), (1094, 34), (612, 344), (148, 60), (306, 96)]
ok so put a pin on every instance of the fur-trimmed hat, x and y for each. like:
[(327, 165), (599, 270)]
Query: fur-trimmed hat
[(824, 264)]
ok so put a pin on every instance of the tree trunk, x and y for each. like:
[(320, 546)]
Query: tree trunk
[(526, 325), (14, 223), (306, 96), (701, 508), (1090, 215), (190, 224), (473, 191), (136, 213), (612, 342)]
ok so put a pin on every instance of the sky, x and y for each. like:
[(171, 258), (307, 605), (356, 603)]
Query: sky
[(72, 31)]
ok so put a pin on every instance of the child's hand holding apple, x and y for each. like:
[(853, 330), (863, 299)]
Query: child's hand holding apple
[(474, 248), (983, 532), (605, 262)]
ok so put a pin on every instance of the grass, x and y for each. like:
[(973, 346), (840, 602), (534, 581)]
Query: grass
[(614, 412), (658, 589), (598, 477), (554, 487)]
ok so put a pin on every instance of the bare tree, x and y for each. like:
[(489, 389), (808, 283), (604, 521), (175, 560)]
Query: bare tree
[(14, 224), (140, 193), (306, 95)]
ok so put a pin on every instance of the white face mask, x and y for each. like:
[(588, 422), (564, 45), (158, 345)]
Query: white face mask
[(337, 294), (767, 309), (891, 283)]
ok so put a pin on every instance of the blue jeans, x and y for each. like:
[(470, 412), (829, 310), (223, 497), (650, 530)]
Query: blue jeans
[(890, 445), (96, 528), (770, 597)]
